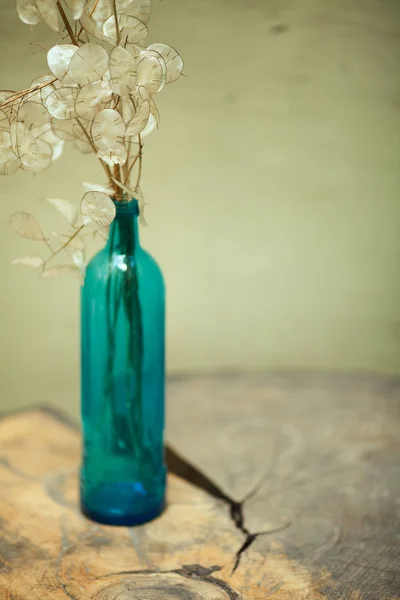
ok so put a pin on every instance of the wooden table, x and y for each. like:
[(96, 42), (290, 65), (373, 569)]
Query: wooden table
[(282, 486)]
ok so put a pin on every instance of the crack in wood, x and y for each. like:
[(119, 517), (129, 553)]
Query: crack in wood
[(190, 473), (206, 574), (181, 467), (186, 570), (236, 513), (250, 537), (194, 571)]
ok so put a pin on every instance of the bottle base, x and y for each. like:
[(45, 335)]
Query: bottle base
[(120, 504)]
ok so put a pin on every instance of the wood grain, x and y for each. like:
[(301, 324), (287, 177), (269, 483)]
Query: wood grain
[(289, 489)]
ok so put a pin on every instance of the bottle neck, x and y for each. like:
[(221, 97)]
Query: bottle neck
[(124, 230)]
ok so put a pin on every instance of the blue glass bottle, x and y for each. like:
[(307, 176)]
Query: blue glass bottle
[(122, 328)]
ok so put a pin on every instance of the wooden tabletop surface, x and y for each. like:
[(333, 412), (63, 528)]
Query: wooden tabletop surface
[(282, 486)]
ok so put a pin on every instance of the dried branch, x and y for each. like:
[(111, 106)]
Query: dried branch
[(94, 8), (128, 173), (67, 24), (67, 243), (24, 93), (140, 162), (125, 167), (46, 241), (117, 177), (39, 46), (89, 139), (114, 3)]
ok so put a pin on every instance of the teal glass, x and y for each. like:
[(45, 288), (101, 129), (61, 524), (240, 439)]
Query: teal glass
[(122, 329)]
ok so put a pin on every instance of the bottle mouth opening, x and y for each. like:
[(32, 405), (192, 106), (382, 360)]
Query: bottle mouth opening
[(126, 207)]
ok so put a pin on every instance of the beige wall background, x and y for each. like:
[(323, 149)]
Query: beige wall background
[(274, 195)]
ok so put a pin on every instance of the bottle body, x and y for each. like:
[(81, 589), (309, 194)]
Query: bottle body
[(123, 380)]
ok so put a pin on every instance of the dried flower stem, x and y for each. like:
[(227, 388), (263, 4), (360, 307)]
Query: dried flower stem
[(140, 162), (94, 8), (39, 46), (130, 168), (67, 243), (89, 139), (24, 93), (114, 4), (125, 167), (67, 24), (117, 177), (48, 245)]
